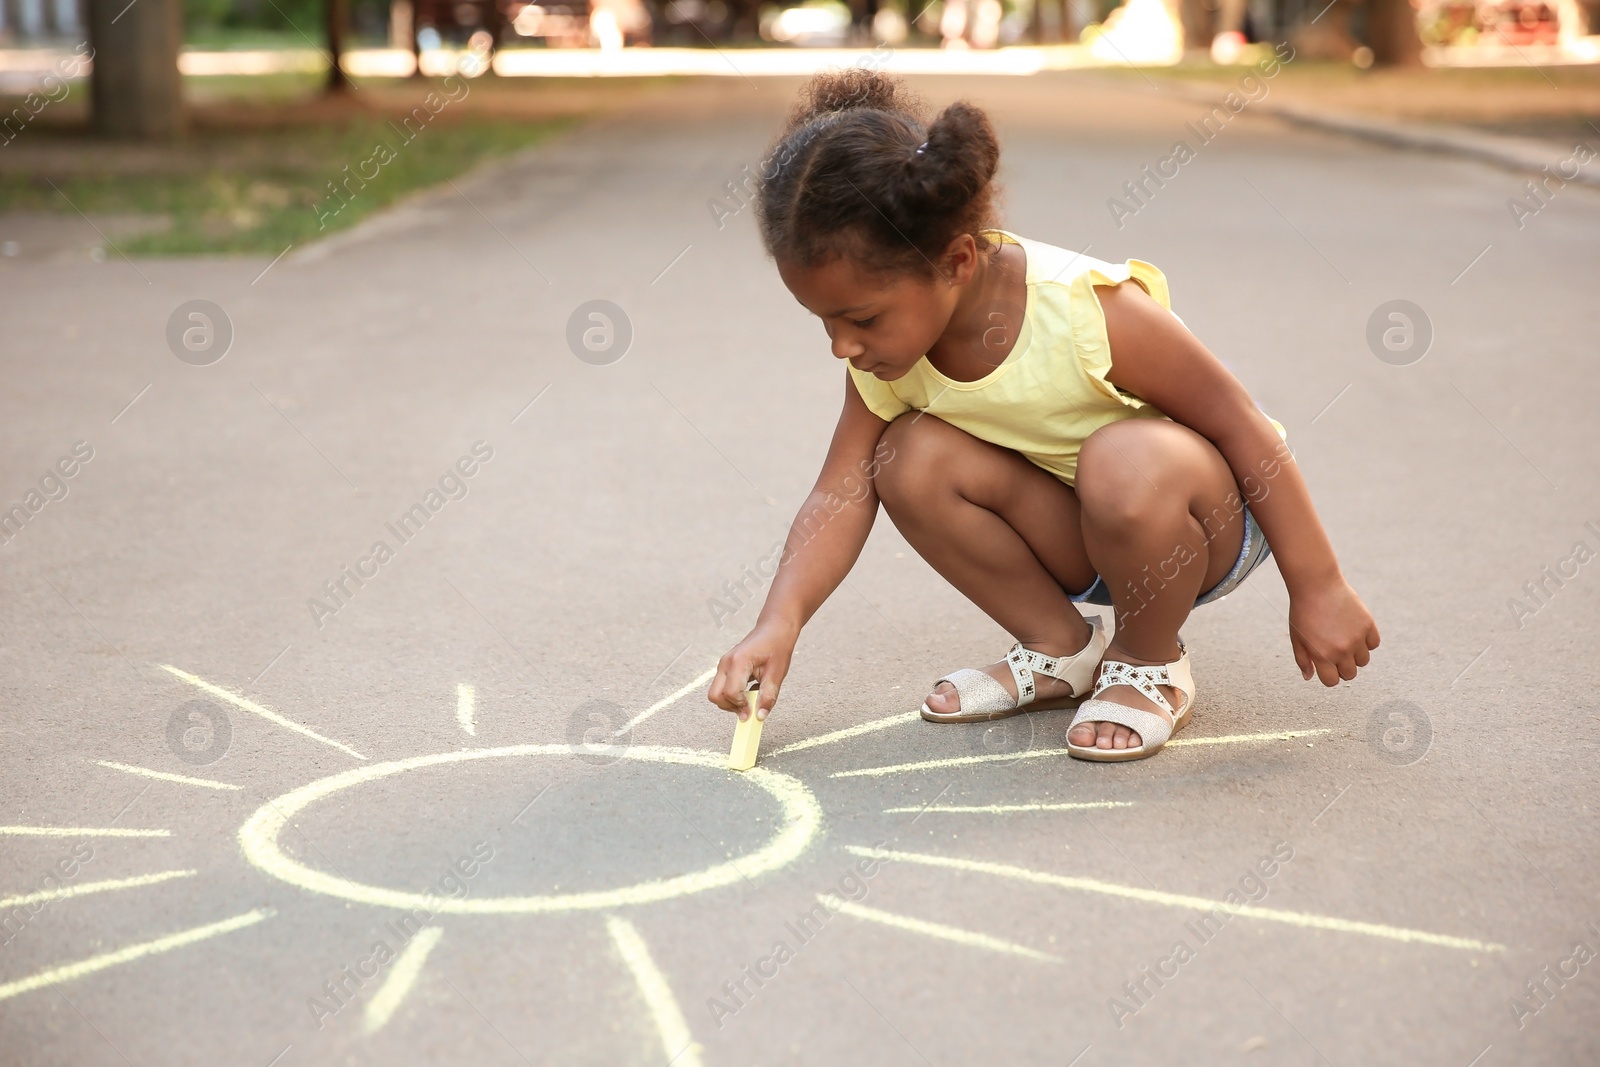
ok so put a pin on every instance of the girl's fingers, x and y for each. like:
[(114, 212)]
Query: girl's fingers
[(727, 692), (754, 667), (1302, 658), (767, 697), (1327, 672), (772, 679)]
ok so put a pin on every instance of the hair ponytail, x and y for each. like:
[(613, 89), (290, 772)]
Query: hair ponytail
[(956, 163), (858, 172)]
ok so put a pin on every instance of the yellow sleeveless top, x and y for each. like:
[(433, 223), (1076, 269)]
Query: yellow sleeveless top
[(1051, 392)]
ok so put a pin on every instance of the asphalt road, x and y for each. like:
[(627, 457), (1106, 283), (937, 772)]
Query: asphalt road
[(1414, 849)]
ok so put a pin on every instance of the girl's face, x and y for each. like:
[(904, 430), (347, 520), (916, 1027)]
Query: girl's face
[(882, 323)]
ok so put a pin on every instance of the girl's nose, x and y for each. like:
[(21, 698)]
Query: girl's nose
[(845, 348)]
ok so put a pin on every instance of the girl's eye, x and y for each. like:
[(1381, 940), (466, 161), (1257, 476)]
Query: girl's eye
[(863, 323)]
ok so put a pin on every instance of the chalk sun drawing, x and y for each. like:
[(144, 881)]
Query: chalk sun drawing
[(798, 827)]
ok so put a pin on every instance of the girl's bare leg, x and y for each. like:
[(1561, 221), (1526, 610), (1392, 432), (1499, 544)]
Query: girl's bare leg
[(1162, 523), (1001, 530)]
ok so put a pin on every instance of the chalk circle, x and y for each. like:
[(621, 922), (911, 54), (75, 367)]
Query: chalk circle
[(802, 818), (199, 332)]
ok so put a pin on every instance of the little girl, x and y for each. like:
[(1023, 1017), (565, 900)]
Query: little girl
[(1042, 432)]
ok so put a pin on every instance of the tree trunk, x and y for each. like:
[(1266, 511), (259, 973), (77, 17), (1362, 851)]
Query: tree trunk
[(336, 15), (1199, 23), (135, 89), (1392, 33)]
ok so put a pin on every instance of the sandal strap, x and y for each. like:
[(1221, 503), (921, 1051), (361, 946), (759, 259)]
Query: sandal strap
[(978, 692), (1076, 670), (1145, 678)]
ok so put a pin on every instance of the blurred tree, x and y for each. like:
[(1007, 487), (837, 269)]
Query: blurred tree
[(1392, 33), (336, 16), (744, 21), (135, 90)]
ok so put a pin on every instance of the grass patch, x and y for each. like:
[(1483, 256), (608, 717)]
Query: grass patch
[(257, 191), (230, 38)]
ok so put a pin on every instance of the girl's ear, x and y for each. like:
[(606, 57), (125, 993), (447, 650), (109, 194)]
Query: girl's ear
[(960, 260)]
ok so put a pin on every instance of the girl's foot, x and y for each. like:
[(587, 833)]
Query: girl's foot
[(944, 699), (1115, 735)]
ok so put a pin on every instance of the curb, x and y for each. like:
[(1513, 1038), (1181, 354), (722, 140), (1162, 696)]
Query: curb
[(1525, 155)]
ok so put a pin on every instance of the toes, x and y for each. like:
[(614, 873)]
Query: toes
[(944, 699), (1107, 735)]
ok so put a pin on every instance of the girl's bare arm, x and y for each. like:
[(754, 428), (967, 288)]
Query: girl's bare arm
[(824, 541), (1158, 359)]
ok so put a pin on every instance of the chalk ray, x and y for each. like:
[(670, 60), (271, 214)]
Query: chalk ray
[(932, 929), (46, 896), (164, 776), (79, 831), (677, 1042), (1040, 753), (670, 698), (848, 732), (256, 709), (80, 969), (402, 976), (1184, 900)]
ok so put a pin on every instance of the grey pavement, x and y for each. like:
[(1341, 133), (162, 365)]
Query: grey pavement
[(1415, 849)]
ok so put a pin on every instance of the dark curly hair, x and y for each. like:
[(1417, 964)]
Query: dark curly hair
[(858, 172)]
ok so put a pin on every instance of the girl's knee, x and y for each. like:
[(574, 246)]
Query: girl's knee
[(1127, 474), (914, 450)]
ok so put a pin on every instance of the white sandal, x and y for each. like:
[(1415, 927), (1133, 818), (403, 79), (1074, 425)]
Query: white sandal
[(983, 698), (1153, 730)]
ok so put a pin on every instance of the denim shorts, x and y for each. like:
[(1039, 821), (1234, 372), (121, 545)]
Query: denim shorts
[(1251, 553)]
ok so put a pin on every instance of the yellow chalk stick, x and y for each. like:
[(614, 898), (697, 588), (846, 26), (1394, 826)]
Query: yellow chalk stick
[(746, 738)]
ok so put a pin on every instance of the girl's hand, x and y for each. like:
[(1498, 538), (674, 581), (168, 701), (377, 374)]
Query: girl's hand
[(1332, 632), (764, 654)]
